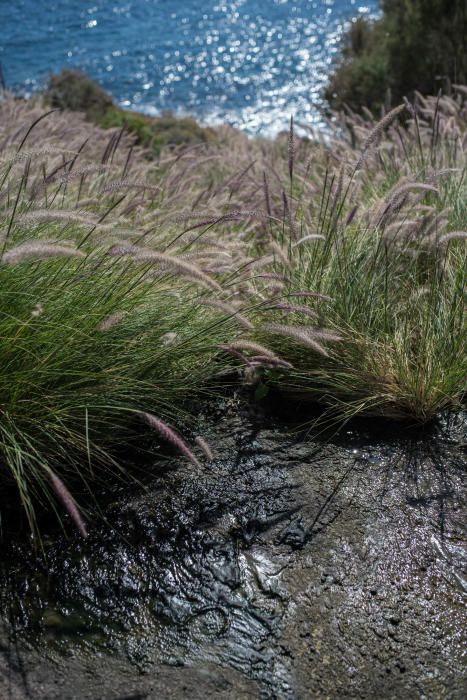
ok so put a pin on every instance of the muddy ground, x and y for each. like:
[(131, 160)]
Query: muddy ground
[(289, 568)]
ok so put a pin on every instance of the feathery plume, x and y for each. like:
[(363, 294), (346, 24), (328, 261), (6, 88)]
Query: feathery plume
[(217, 269), (444, 172), (325, 334), (409, 107), (281, 254), (126, 184), (267, 196), (88, 202), (376, 133), (337, 196), (351, 216), (74, 174), (46, 215), (291, 148), (310, 237), (64, 179), (269, 362), (184, 216), (311, 295), (453, 236), (38, 249), (185, 268), (296, 333), (396, 197), (254, 347), (261, 261), (289, 216), (66, 498), (273, 276), (297, 309), (204, 447), (400, 229), (168, 434), (434, 230), (206, 253), (234, 215), (24, 155), (305, 334), (235, 352)]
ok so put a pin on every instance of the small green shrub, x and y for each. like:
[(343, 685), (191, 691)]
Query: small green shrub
[(415, 45), (175, 131), (137, 124), (155, 133), (362, 76), (73, 90)]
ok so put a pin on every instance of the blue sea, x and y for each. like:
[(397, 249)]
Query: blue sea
[(250, 63)]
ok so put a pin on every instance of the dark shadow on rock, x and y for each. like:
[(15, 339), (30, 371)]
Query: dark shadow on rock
[(286, 562)]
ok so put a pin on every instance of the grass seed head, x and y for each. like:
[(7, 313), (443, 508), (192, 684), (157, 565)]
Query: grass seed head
[(67, 501)]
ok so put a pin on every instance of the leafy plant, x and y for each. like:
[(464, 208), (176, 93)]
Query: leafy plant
[(155, 133), (73, 90), (388, 58)]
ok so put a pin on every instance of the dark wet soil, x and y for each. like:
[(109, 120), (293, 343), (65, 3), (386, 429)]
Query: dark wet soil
[(288, 568)]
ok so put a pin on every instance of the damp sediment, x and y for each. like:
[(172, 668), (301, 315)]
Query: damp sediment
[(289, 567)]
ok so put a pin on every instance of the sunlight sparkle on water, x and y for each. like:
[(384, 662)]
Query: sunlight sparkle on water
[(250, 63)]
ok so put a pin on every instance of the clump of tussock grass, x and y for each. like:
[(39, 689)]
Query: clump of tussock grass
[(95, 355), (84, 347), (340, 284), (391, 266)]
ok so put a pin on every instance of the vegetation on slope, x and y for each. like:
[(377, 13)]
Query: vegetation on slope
[(415, 45), (92, 340), (75, 91), (333, 270), (374, 267)]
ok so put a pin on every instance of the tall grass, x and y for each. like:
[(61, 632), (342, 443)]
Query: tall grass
[(385, 244), (332, 268), (72, 380), (92, 340)]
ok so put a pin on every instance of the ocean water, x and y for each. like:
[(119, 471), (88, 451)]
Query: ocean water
[(249, 63)]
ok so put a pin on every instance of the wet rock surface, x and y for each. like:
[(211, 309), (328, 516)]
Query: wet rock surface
[(287, 568)]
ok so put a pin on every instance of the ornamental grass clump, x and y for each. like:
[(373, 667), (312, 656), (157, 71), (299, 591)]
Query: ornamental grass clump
[(380, 272), (82, 351), (333, 269), (94, 334)]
